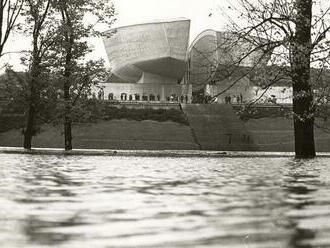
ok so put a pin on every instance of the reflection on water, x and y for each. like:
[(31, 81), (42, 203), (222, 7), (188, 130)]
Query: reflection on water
[(163, 202)]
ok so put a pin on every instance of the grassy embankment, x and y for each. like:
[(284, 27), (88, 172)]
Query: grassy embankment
[(276, 134), (116, 129), (272, 129)]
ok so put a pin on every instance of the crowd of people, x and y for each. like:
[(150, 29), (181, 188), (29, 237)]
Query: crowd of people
[(236, 99), (144, 97), (229, 99)]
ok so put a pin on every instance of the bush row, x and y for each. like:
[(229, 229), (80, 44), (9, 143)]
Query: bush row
[(111, 113), (255, 112), (8, 122)]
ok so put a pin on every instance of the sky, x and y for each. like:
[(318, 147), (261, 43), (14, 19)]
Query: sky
[(204, 14), (139, 11)]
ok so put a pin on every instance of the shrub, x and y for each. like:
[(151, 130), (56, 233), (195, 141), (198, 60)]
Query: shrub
[(161, 115)]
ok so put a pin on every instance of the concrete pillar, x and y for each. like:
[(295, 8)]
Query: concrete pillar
[(207, 89), (162, 96), (183, 90), (190, 90)]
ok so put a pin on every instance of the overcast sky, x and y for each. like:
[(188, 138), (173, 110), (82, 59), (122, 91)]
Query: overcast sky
[(139, 11), (202, 13)]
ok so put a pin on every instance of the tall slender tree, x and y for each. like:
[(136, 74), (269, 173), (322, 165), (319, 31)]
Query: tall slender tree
[(41, 27), (75, 30)]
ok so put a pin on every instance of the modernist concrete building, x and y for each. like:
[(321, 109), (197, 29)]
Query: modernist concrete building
[(148, 61), (217, 63), (154, 62)]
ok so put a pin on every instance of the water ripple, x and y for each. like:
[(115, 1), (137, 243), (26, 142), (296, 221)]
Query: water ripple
[(79, 201)]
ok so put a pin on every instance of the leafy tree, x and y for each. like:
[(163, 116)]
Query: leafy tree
[(41, 26), (13, 88), (78, 77)]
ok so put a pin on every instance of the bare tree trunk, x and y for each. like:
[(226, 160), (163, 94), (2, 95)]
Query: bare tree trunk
[(302, 92), (33, 101), (67, 97), (67, 118), (69, 40), (30, 125)]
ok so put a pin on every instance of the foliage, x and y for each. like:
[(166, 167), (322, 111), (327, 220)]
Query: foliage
[(84, 80), (40, 26), (8, 122), (76, 76), (59, 79), (106, 111), (246, 113), (13, 90)]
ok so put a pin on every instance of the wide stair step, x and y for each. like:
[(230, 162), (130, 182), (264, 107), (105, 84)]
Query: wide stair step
[(217, 127)]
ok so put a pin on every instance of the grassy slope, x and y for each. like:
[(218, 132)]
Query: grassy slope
[(276, 134), (114, 134), (270, 134), (217, 127)]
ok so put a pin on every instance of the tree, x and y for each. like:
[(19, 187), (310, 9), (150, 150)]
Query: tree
[(73, 48), (303, 107), (13, 91), (42, 29), (297, 37), (9, 13)]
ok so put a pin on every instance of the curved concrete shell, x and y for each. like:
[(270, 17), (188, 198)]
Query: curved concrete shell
[(213, 53), (149, 53)]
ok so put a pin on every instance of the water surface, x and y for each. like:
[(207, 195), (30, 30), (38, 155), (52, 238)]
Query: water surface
[(85, 201)]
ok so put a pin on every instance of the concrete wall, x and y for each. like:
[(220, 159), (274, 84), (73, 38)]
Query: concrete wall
[(156, 79)]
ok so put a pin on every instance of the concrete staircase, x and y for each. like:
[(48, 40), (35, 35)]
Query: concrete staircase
[(217, 127)]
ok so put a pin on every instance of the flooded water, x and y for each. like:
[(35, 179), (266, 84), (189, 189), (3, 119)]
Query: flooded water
[(58, 201)]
